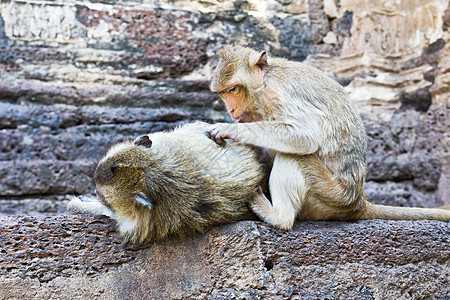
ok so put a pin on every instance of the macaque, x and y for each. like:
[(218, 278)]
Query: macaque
[(317, 139), (173, 184)]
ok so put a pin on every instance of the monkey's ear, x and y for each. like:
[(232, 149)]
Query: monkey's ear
[(142, 199), (261, 62), (144, 141)]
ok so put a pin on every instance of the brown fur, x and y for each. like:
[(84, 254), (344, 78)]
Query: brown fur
[(318, 140), (173, 184)]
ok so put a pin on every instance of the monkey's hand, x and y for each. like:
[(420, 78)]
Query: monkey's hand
[(88, 205), (221, 132)]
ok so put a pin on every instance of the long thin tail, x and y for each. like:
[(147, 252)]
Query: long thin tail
[(404, 213)]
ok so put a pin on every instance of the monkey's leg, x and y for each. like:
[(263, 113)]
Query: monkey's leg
[(287, 189)]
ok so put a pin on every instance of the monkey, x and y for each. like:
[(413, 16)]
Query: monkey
[(317, 139), (173, 184)]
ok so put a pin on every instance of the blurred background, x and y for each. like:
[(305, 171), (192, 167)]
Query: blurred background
[(78, 76)]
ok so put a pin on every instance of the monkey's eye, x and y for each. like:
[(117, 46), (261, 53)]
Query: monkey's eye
[(232, 89)]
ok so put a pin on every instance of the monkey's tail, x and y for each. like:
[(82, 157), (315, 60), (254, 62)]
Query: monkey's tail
[(385, 212)]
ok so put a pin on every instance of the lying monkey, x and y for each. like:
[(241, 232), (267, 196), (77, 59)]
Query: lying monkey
[(173, 184)]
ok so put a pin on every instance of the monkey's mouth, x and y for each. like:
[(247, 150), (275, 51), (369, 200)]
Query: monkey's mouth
[(239, 119)]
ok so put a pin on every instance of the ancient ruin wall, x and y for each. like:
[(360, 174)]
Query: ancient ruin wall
[(78, 76)]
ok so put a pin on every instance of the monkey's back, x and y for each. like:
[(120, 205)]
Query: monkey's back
[(199, 183), (323, 103)]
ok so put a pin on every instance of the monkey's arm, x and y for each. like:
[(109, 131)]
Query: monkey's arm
[(286, 137), (88, 205)]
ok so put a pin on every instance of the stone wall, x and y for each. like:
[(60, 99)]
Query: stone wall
[(64, 258), (78, 76)]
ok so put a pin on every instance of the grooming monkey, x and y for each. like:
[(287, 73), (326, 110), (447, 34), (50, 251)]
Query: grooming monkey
[(317, 139), (173, 184)]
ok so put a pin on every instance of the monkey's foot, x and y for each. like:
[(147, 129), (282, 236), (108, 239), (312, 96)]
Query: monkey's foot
[(262, 207)]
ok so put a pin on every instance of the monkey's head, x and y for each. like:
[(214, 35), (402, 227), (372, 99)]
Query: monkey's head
[(239, 81), (120, 178)]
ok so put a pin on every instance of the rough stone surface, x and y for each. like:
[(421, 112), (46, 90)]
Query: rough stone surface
[(80, 257)]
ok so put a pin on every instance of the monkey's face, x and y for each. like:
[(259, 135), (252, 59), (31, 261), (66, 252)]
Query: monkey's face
[(233, 97), (120, 179), (239, 105), (239, 81)]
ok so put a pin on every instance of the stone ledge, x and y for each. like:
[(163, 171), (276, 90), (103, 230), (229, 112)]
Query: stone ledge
[(81, 257)]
